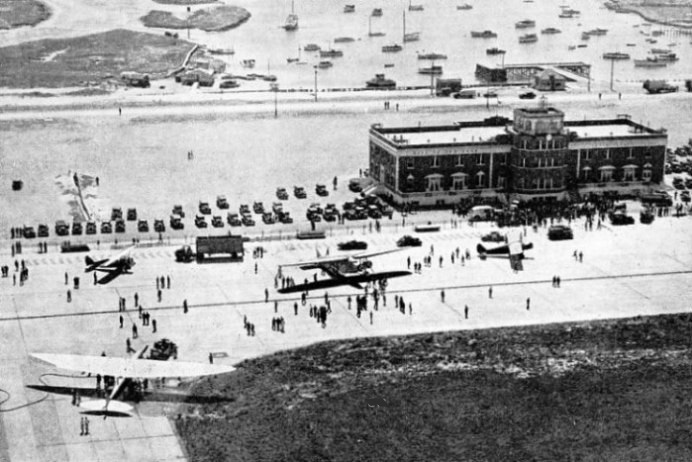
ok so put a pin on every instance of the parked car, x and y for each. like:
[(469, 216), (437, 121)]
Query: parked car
[(131, 214), (560, 232), (244, 209), (159, 226), (76, 228), (204, 208), (178, 210), (352, 245), (285, 217), (299, 192), (409, 241), (176, 222), (321, 190), (120, 226), (116, 213), (200, 222), (646, 216), (268, 218), (217, 221), (221, 202), (233, 219), (493, 236), (143, 226), (62, 228), (490, 94), (258, 207), (91, 227), (248, 220), (43, 231), (374, 212), (619, 218), (282, 194), (106, 227), (527, 95), (277, 207), (28, 232)]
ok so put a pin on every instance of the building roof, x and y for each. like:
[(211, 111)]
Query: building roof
[(461, 135), (606, 131), (546, 73)]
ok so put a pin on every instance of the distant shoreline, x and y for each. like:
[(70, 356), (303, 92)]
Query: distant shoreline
[(29, 13), (621, 9), (215, 19)]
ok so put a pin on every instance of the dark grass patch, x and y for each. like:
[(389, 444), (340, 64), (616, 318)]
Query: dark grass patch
[(608, 390), (214, 19), (17, 13), (53, 63)]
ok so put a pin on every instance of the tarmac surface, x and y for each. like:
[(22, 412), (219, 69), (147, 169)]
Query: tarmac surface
[(626, 271)]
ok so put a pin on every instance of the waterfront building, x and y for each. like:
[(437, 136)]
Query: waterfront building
[(536, 156)]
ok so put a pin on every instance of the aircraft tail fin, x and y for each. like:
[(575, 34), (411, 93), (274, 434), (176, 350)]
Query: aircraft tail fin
[(481, 249)]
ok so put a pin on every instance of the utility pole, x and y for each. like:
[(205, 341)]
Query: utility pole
[(188, 22), (315, 83), (432, 78), (612, 70), (275, 89)]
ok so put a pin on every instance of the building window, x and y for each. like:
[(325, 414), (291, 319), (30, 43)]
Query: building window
[(630, 155), (585, 172), (479, 159), (607, 154), (435, 161), (479, 179), (433, 183), (409, 162), (606, 174), (646, 174), (587, 154), (523, 162), (459, 181), (628, 174), (459, 161), (548, 183), (501, 182)]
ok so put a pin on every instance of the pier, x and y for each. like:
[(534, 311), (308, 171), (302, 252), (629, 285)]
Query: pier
[(524, 72)]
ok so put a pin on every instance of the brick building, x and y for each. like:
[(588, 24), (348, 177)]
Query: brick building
[(536, 156)]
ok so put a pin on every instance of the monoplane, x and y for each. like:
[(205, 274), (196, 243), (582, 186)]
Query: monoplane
[(114, 266), (351, 270), (123, 371), (514, 251)]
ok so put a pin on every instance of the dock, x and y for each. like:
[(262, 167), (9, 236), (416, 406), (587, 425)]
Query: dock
[(524, 72)]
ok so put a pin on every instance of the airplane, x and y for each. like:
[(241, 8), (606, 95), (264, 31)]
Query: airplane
[(343, 270), (126, 369), (113, 266), (514, 251)]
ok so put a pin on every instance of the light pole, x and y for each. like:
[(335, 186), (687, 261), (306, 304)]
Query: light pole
[(275, 89), (315, 83)]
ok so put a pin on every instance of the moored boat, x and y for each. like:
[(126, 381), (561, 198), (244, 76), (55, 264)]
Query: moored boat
[(528, 38), (615, 55), (551, 30), (380, 82), (431, 56), (349, 8), (465, 6), (377, 12), (325, 64), (525, 24), (311, 47), (495, 51), (332, 53), (431, 70), (484, 34), (649, 63), (344, 40), (393, 48)]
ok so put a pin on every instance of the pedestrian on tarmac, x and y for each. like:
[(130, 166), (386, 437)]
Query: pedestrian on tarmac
[(442, 295), (528, 303), (490, 292), (121, 321)]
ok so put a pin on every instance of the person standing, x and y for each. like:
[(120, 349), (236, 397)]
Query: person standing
[(442, 295), (121, 321), (211, 359), (466, 311), (490, 292), (528, 303), (153, 325)]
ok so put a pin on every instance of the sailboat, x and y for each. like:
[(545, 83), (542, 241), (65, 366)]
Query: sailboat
[(411, 36), (291, 20), (370, 32)]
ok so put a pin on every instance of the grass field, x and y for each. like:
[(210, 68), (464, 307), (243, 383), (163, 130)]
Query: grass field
[(607, 390), (54, 63), (214, 19), (17, 13)]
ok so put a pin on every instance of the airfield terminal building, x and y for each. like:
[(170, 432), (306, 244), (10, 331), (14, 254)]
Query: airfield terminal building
[(536, 156)]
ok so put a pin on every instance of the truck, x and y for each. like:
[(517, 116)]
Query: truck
[(219, 248), (658, 86), (446, 87)]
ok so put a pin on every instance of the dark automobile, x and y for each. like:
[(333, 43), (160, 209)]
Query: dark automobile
[(176, 222), (285, 218), (62, 228), (258, 207), (178, 210), (244, 209), (646, 216), (330, 216), (619, 218), (91, 227), (688, 183), (200, 222), (560, 232), (204, 208), (268, 218), (248, 221), (217, 222), (116, 213), (679, 185), (374, 212), (143, 226), (233, 219), (76, 228), (106, 227), (527, 95), (282, 194), (316, 208), (28, 232), (120, 226), (43, 231), (490, 94), (131, 214), (352, 245), (277, 207), (660, 199), (321, 190), (493, 236), (355, 186), (184, 254), (313, 216), (159, 226), (222, 202), (299, 192), (409, 241)]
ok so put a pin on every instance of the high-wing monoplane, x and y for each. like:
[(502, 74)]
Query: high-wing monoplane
[(114, 266), (352, 270), (123, 371), (514, 251)]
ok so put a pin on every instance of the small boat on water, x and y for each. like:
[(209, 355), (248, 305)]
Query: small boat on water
[(528, 38), (631, 44), (582, 45), (484, 34), (291, 23), (616, 55), (311, 47), (585, 36), (380, 82), (248, 63), (393, 48), (652, 41), (572, 47), (649, 63), (525, 24), (387, 65), (432, 56), (660, 51), (332, 53), (412, 7), (412, 37), (664, 57), (571, 11), (432, 70), (344, 40), (495, 51), (597, 31), (551, 30), (221, 51), (656, 33), (377, 12), (349, 8), (325, 64), (465, 6)]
